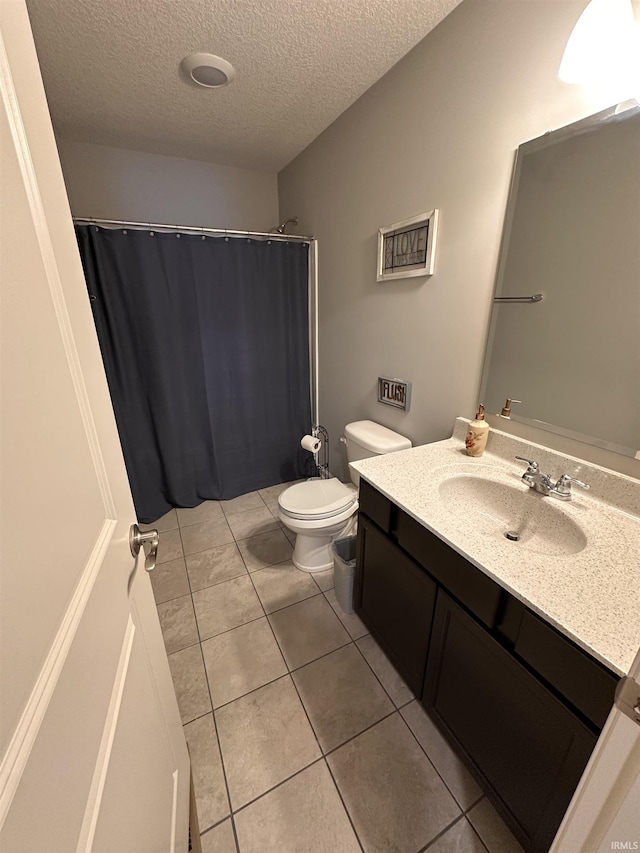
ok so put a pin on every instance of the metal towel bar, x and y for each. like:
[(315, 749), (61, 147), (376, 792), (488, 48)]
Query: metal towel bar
[(537, 297)]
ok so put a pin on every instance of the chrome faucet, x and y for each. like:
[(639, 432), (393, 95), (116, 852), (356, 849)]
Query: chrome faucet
[(543, 483), (562, 489), (534, 478)]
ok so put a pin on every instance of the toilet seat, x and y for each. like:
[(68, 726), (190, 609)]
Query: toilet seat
[(316, 499)]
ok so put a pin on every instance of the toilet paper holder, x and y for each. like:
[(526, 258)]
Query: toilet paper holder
[(322, 457)]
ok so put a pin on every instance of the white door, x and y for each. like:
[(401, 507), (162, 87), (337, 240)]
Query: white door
[(604, 813), (92, 753)]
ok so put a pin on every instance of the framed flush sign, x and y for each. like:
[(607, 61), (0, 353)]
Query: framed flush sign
[(394, 392), (407, 248)]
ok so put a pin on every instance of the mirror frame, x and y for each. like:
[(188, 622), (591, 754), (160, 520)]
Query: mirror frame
[(615, 113)]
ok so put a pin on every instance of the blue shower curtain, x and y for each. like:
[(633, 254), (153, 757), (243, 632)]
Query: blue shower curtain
[(205, 343)]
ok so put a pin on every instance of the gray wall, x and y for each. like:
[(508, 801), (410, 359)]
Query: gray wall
[(113, 183), (439, 130)]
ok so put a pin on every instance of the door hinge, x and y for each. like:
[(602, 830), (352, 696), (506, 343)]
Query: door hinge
[(628, 698)]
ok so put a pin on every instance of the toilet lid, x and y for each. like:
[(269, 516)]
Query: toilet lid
[(316, 499)]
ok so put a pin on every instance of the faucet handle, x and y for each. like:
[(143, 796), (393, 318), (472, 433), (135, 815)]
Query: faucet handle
[(533, 466), (563, 486)]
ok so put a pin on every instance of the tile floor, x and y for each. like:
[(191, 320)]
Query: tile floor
[(303, 738)]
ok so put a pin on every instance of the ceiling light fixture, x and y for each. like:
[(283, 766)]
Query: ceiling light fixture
[(208, 70), (603, 47)]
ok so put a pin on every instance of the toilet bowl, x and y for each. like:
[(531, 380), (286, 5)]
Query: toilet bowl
[(319, 511)]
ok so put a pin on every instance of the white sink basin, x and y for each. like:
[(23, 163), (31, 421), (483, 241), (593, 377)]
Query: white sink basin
[(492, 505)]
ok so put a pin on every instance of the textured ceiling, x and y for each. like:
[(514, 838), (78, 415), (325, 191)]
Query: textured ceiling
[(111, 70)]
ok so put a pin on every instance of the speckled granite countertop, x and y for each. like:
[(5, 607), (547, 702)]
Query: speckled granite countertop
[(589, 590)]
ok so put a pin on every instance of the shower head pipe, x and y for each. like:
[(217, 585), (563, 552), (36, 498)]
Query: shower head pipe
[(280, 228)]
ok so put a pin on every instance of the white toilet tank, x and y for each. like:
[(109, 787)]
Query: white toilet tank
[(367, 438)]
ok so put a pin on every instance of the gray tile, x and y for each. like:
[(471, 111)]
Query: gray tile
[(220, 839), (281, 585), (253, 523), (341, 695), (226, 605), (492, 829), (456, 776), (386, 759), (205, 535), (178, 624), (243, 503), (459, 839), (190, 683), (271, 501), (291, 536), (324, 579), (205, 511), (170, 547), (265, 737), (215, 565), (166, 522), (352, 622), (307, 630), (169, 580), (265, 550), (272, 506), (241, 660), (212, 802), (303, 815), (385, 670), (271, 493)]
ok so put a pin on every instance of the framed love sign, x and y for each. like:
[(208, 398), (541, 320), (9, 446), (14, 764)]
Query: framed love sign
[(407, 248)]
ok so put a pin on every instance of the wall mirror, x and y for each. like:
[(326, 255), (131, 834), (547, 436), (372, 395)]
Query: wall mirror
[(572, 234)]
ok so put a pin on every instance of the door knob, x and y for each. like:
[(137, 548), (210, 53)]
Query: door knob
[(138, 539)]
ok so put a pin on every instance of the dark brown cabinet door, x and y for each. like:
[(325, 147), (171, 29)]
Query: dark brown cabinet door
[(526, 747), (395, 599)]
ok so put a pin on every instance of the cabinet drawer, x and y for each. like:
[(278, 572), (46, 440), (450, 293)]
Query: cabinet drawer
[(583, 681), (509, 619), (375, 505), (467, 583)]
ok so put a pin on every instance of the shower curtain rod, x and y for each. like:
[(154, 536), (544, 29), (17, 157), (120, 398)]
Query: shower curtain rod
[(196, 229)]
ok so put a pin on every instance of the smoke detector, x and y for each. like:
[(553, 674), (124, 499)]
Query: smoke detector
[(208, 70)]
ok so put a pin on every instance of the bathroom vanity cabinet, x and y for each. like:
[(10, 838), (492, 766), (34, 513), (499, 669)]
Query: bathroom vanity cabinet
[(518, 701), (399, 613)]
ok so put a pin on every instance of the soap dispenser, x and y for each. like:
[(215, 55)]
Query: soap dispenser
[(506, 409), (477, 434)]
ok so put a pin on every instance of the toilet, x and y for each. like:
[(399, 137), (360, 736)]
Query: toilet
[(319, 511)]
